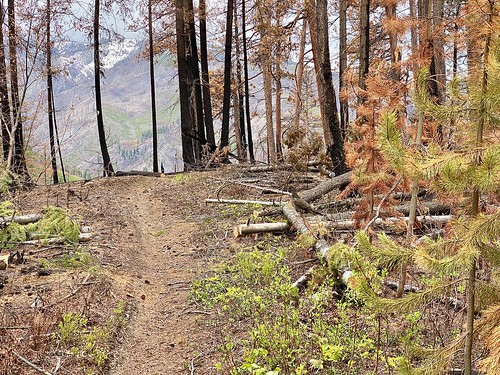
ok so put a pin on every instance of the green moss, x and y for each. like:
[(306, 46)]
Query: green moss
[(11, 235), (6, 209), (55, 223)]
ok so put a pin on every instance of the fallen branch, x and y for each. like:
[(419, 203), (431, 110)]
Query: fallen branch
[(31, 364), (302, 281), (83, 237), (349, 224), (21, 219), (256, 187), (245, 229), (455, 303), (243, 201), (377, 210)]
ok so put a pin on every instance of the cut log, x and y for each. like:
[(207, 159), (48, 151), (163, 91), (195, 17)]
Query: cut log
[(242, 201), (325, 187), (245, 229)]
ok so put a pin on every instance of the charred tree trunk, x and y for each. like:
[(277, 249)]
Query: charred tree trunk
[(188, 156), (205, 78), (50, 96), (364, 47), (238, 112), (194, 82), (4, 93), (153, 91), (247, 89), (277, 77), (344, 102), (318, 24), (227, 75), (17, 157), (107, 166)]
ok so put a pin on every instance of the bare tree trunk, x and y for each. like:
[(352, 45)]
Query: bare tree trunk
[(152, 84), (481, 115), (299, 76), (344, 102), (227, 75), (50, 104), (16, 157), (247, 89), (395, 74), (107, 166), (318, 25), (364, 47), (268, 99), (205, 78), (236, 121), (194, 82), (238, 109), (4, 94), (277, 76), (438, 50), (187, 120)]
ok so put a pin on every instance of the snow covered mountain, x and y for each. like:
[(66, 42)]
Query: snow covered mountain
[(126, 108)]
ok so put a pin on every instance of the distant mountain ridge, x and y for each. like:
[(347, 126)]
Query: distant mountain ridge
[(126, 108)]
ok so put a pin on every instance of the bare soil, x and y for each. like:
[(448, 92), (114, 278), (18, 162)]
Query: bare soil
[(151, 237)]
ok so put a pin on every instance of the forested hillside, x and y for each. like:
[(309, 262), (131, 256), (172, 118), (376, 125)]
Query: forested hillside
[(334, 206)]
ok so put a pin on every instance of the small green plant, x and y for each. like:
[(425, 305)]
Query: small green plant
[(269, 330), (90, 344), (74, 259)]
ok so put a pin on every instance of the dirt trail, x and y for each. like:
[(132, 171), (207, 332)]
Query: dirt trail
[(163, 337), (148, 240)]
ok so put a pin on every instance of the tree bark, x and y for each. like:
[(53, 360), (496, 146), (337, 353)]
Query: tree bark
[(364, 47), (344, 102), (152, 85), (6, 122), (16, 161), (264, 26), (205, 77), (50, 104), (187, 120), (107, 166), (299, 76), (247, 88), (227, 75), (238, 109), (194, 82), (318, 25)]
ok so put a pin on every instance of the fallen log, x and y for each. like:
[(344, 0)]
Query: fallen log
[(243, 201), (325, 187), (83, 237), (138, 173), (245, 229), (424, 219), (21, 219)]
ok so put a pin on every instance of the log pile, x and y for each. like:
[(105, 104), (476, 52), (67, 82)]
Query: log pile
[(436, 215)]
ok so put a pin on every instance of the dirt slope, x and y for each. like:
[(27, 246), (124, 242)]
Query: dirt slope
[(147, 237)]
